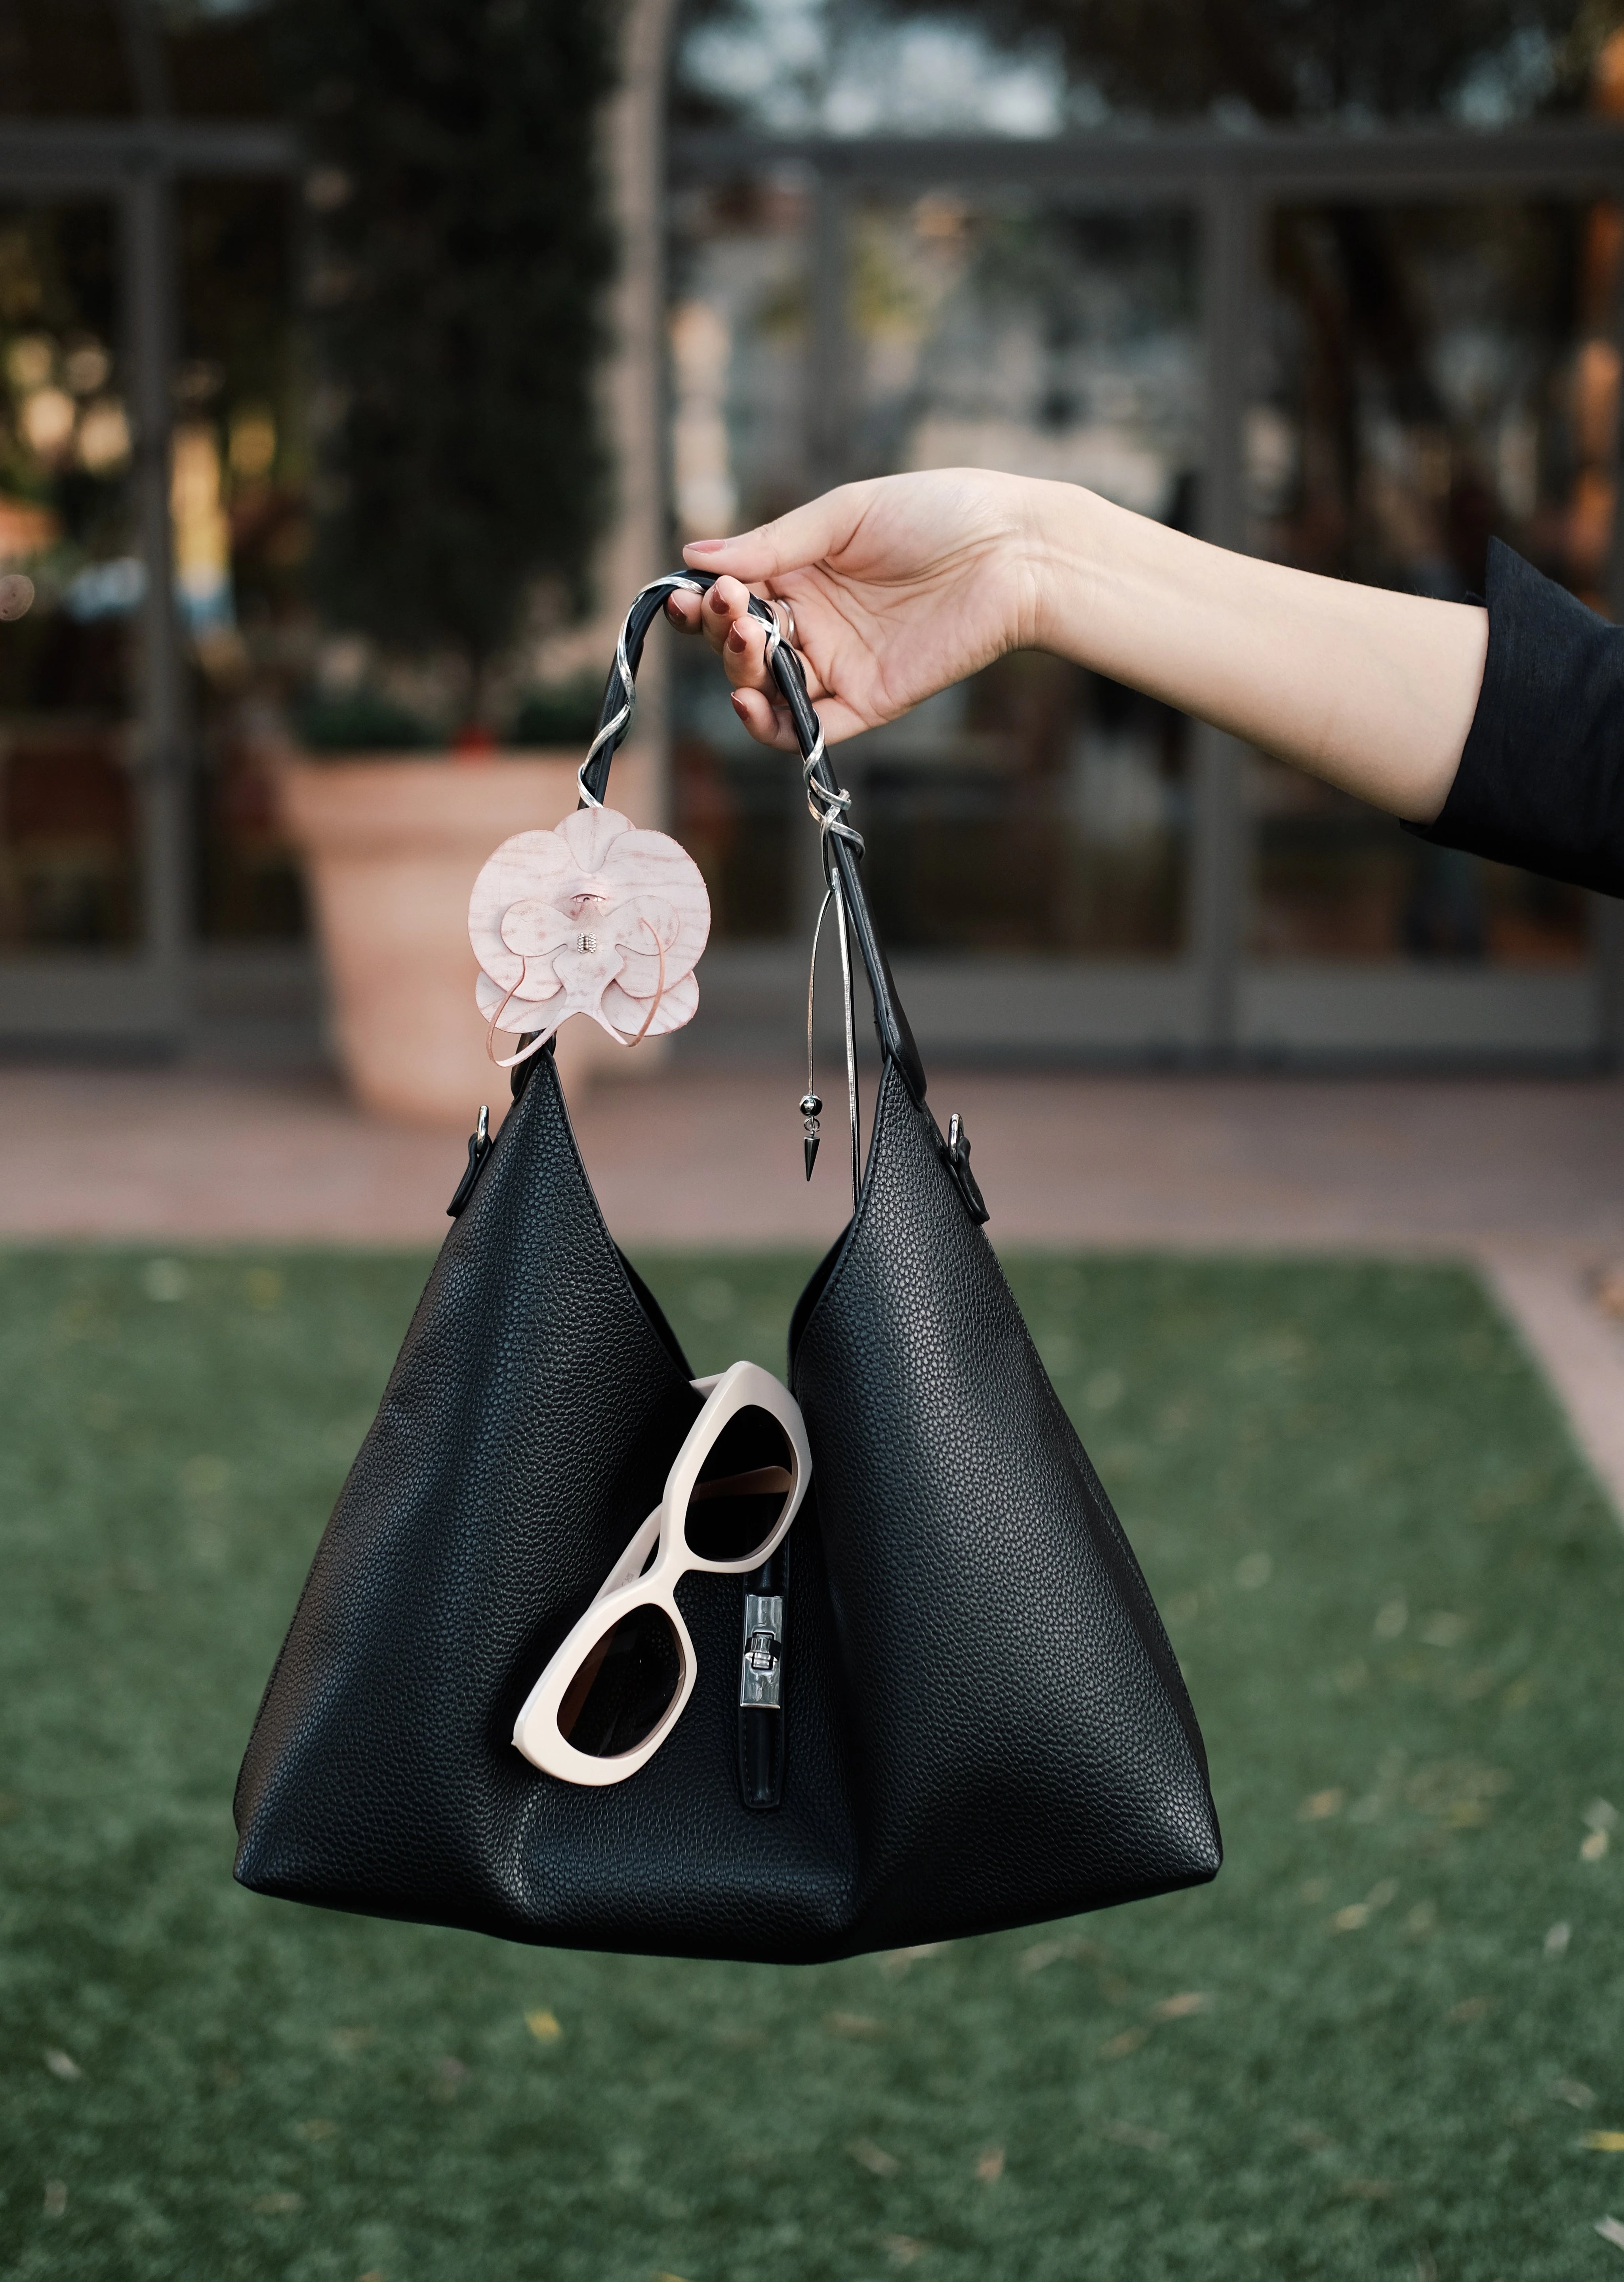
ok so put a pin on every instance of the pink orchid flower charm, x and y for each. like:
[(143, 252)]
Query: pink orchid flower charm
[(596, 918)]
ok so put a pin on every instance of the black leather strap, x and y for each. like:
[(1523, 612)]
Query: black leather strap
[(896, 1038), (641, 615)]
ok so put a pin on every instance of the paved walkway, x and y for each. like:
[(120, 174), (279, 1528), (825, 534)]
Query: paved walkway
[(1526, 1177)]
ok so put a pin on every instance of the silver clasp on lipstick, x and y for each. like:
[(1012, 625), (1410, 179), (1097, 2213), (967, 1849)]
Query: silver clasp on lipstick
[(760, 1675)]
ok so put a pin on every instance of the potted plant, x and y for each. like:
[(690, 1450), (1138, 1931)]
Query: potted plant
[(455, 276)]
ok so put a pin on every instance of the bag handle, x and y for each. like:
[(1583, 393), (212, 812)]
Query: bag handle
[(828, 799)]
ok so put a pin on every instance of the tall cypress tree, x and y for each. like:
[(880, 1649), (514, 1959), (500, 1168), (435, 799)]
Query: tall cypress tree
[(456, 289)]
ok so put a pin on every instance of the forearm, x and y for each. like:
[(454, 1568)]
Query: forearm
[(1369, 690)]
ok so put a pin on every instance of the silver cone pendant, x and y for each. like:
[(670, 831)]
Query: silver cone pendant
[(811, 1109)]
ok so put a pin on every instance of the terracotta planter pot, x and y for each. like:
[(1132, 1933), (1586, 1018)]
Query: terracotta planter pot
[(391, 848)]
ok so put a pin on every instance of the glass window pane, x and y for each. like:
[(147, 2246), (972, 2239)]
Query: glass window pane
[(67, 59), (1435, 375), (740, 330), (219, 62), (241, 539), (74, 59), (1037, 808), (69, 802)]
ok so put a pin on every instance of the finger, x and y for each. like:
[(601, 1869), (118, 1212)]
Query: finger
[(744, 656), (767, 724), (726, 605), (806, 534), (770, 725), (687, 612)]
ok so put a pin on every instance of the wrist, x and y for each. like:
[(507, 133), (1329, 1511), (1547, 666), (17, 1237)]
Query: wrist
[(1062, 558)]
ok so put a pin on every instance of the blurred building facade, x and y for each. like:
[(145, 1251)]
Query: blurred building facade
[(1360, 325), (1357, 329), (153, 482)]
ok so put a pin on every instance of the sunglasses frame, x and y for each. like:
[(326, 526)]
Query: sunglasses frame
[(537, 1733)]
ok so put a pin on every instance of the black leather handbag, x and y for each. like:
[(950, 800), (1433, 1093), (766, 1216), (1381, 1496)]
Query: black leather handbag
[(980, 1720)]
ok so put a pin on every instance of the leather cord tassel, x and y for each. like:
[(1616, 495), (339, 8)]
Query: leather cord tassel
[(827, 804), (811, 1104), (851, 1034)]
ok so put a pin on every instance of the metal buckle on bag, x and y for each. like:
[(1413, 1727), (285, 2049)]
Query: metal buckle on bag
[(760, 1675), (956, 1156), (480, 1145)]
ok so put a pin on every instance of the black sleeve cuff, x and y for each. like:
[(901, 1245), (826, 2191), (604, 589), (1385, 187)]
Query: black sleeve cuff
[(1540, 781)]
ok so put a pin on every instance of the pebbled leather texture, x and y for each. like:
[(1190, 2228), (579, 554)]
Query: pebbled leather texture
[(525, 1432), (983, 1723), (1020, 1737)]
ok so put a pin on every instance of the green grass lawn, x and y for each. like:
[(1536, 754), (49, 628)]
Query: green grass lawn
[(1376, 2046)]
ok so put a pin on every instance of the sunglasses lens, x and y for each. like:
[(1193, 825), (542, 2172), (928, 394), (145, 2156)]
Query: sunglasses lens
[(624, 1687), (743, 1489)]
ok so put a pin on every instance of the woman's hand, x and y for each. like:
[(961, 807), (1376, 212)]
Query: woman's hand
[(899, 588), (905, 584)]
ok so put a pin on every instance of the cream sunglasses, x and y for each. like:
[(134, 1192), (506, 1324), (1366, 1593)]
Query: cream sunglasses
[(617, 1684)]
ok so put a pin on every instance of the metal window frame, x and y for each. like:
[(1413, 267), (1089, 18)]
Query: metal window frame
[(1213, 1003), (144, 998)]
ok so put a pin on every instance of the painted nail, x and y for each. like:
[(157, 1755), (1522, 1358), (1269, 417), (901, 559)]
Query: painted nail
[(735, 638)]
